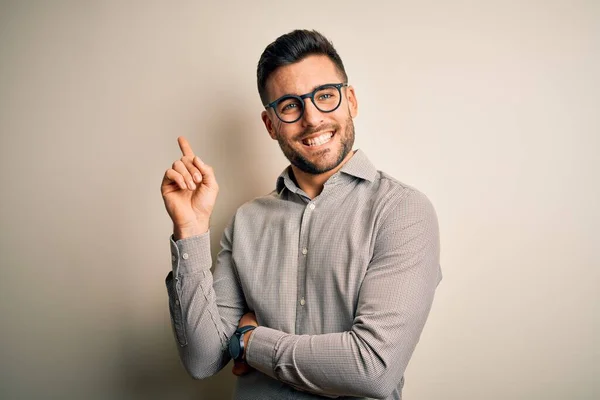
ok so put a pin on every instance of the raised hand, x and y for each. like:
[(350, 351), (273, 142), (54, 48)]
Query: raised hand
[(189, 189)]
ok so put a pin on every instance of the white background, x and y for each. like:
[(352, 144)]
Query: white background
[(491, 108)]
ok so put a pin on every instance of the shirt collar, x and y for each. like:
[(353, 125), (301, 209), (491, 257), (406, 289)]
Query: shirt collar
[(358, 166)]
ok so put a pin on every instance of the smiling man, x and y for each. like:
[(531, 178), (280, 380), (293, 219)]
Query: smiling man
[(323, 286)]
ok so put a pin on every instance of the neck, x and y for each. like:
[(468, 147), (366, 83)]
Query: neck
[(312, 184)]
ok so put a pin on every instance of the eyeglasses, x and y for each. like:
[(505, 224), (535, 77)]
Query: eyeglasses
[(290, 108)]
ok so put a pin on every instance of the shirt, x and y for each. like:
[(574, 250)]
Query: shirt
[(341, 286)]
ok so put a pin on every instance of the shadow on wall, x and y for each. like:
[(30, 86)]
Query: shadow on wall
[(150, 367), (240, 164), (153, 371)]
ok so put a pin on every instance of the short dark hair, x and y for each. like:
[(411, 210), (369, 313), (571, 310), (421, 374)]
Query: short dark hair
[(291, 48)]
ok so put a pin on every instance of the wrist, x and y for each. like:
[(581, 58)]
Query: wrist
[(247, 336), (238, 341), (186, 231)]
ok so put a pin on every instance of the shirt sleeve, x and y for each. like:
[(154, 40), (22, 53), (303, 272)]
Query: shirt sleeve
[(393, 304), (205, 310)]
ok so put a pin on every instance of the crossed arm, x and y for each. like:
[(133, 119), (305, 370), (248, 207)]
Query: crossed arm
[(367, 361)]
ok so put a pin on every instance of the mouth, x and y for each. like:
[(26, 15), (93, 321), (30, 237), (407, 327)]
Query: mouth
[(318, 140)]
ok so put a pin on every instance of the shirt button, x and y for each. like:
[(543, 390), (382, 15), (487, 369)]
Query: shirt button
[(305, 251), (177, 302), (185, 256), (173, 258), (302, 301), (311, 206)]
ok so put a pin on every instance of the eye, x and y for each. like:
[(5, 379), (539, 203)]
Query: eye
[(327, 95), (288, 107)]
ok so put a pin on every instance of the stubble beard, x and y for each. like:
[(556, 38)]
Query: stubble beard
[(305, 165)]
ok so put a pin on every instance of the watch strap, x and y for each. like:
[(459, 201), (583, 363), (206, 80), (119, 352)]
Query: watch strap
[(236, 348), (244, 329)]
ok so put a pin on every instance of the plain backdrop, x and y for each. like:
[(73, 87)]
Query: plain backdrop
[(491, 108)]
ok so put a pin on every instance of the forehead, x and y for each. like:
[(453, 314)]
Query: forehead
[(302, 76)]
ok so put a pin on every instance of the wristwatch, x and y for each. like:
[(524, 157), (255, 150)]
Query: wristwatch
[(236, 343)]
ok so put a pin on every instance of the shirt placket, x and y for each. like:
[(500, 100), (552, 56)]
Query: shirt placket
[(303, 258)]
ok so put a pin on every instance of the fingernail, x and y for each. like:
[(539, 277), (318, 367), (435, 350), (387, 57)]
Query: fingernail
[(192, 185), (197, 178)]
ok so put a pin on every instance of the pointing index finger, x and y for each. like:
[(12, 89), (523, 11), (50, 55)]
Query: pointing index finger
[(185, 147)]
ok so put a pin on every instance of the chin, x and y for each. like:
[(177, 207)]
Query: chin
[(325, 162)]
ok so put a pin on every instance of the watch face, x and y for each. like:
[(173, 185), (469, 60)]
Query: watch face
[(234, 347)]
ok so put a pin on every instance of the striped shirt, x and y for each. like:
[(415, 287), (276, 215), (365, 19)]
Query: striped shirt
[(341, 286)]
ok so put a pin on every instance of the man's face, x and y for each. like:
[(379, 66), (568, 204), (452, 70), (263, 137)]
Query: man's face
[(318, 142)]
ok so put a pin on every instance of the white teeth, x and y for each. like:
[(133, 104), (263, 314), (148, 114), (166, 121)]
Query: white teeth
[(319, 140)]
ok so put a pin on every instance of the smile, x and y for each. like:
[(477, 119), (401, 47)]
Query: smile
[(319, 140)]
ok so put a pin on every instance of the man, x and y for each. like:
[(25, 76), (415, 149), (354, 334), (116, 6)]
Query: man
[(330, 277)]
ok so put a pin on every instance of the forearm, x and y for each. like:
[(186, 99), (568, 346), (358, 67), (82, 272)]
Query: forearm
[(200, 327), (361, 362)]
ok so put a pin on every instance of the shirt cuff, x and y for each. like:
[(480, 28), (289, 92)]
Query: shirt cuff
[(191, 254), (262, 348)]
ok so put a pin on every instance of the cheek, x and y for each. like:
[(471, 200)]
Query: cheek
[(342, 118), (275, 129), (282, 134)]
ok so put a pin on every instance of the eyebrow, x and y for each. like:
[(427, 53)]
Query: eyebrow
[(312, 90), (317, 86)]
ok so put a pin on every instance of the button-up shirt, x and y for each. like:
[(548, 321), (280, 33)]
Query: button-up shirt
[(341, 286)]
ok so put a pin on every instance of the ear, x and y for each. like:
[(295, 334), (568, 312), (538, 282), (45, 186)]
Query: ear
[(268, 124), (352, 102)]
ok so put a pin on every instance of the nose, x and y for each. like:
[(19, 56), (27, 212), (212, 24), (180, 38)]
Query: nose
[(312, 116)]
